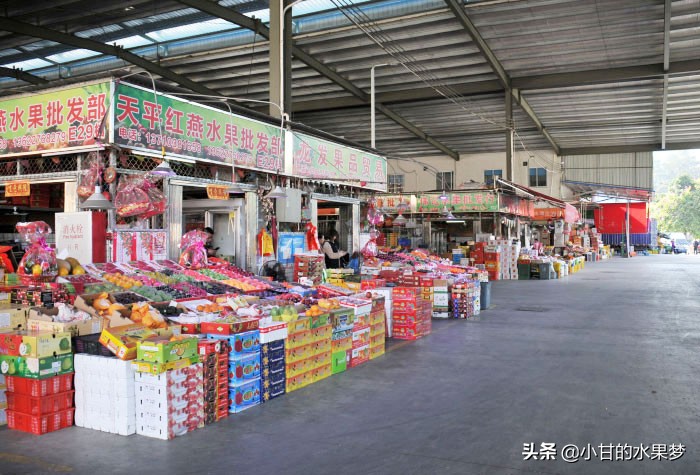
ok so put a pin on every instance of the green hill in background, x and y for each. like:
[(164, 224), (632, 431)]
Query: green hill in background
[(670, 165)]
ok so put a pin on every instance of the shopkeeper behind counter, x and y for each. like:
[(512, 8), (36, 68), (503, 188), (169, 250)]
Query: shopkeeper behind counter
[(209, 244), (332, 252)]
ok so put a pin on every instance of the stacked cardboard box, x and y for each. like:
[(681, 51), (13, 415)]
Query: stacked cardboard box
[(244, 369), (360, 329), (309, 266), (342, 321), (465, 299), (273, 375), (387, 293), (308, 351), (509, 260), (477, 252), (170, 404), (26, 359), (492, 260), (377, 328), (105, 397), (214, 357), (412, 314), (441, 298)]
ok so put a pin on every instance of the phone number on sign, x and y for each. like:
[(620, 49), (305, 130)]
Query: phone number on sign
[(78, 133)]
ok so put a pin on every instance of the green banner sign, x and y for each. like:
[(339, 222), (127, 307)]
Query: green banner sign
[(326, 160), (146, 121), (55, 120), (459, 202)]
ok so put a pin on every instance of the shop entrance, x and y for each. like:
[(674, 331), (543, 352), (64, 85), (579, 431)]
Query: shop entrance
[(225, 217), (333, 216)]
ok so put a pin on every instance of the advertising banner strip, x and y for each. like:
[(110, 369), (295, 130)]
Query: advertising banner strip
[(55, 120), (147, 121), (325, 160), (458, 202)]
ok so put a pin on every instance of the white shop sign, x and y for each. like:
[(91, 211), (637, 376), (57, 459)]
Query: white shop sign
[(74, 236)]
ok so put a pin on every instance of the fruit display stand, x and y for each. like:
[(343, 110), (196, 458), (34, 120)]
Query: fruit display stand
[(238, 340)]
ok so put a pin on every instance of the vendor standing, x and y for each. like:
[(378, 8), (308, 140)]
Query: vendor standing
[(209, 244), (332, 251)]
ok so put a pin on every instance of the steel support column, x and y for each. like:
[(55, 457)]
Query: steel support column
[(510, 135), (667, 63)]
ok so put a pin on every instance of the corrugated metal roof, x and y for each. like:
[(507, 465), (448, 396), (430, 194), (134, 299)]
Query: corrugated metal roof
[(580, 51)]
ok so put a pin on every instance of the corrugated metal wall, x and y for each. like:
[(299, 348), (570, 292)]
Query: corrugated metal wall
[(633, 170)]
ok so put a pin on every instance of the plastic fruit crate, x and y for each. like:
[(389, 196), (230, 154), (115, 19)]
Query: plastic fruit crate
[(39, 425), (37, 406), (40, 387)]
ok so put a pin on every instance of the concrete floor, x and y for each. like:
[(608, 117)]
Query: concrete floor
[(609, 355)]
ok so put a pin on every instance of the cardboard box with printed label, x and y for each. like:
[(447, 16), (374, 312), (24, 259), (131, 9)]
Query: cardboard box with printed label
[(41, 319), (122, 341), (34, 344), (13, 318), (36, 368)]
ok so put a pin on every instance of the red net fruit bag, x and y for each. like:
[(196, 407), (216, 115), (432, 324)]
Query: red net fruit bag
[(39, 261), (194, 254), (156, 199), (89, 177), (131, 199)]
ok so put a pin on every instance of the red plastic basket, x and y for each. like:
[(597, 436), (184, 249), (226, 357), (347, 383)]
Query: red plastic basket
[(39, 425), (40, 387), (37, 406)]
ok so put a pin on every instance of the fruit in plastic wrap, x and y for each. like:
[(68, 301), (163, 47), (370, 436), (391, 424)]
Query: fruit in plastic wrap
[(40, 259), (194, 254), (131, 199)]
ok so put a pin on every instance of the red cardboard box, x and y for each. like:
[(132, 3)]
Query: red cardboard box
[(230, 328), (492, 256)]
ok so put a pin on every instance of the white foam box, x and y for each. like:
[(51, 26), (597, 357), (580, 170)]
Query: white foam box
[(441, 315)]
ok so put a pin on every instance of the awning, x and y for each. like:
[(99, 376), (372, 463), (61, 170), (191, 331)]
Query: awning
[(571, 214)]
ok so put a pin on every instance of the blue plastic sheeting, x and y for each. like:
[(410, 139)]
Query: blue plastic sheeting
[(635, 239)]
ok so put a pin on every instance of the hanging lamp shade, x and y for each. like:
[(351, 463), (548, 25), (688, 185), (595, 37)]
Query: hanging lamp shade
[(450, 216), (163, 169), (277, 192), (97, 201), (400, 220), (443, 197)]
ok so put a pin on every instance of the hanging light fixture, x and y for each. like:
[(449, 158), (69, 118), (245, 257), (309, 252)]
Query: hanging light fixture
[(163, 169), (97, 201), (443, 197), (450, 216), (277, 193), (400, 220)]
